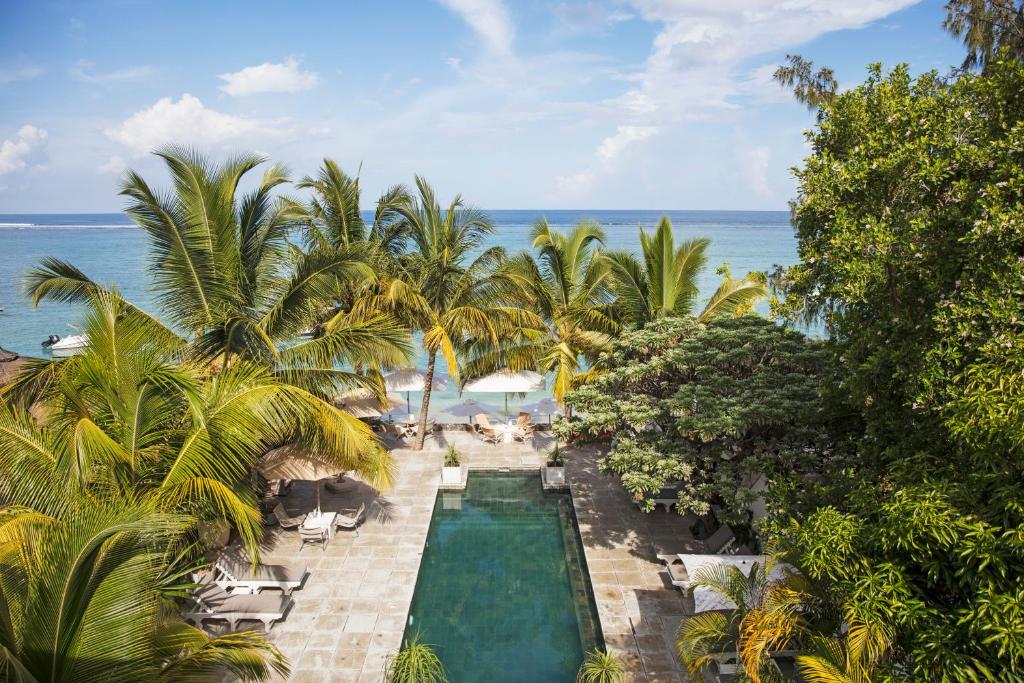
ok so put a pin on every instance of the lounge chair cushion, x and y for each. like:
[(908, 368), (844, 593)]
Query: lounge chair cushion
[(243, 571)]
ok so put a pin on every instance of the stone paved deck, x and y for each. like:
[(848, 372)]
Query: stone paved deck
[(351, 612), (639, 609)]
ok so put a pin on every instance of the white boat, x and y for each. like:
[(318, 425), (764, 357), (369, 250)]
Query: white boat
[(70, 344)]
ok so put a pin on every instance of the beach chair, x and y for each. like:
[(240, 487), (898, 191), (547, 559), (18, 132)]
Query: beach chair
[(285, 520), (488, 435), (211, 602), (350, 519), (523, 427), (239, 576)]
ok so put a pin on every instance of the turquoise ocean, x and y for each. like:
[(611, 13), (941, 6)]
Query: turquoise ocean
[(111, 250)]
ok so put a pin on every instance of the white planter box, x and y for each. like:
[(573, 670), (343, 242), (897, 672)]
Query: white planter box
[(553, 477), (451, 475)]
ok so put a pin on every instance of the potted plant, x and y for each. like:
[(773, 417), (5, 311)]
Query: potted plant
[(554, 469), (451, 473), (601, 667)]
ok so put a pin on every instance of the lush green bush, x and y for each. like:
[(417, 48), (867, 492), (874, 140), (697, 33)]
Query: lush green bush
[(714, 406), (910, 220)]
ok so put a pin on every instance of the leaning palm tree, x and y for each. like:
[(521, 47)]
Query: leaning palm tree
[(458, 300), (232, 290), (664, 281), (767, 616), (569, 285)]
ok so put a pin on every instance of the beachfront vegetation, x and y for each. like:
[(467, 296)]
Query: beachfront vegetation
[(664, 281), (451, 287), (712, 407), (569, 283), (910, 236)]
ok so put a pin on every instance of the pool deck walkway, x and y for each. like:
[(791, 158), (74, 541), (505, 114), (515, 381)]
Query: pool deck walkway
[(351, 612)]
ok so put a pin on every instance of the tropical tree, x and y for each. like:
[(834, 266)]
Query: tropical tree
[(121, 418), (711, 407), (450, 287), (987, 27), (663, 282), (82, 573), (569, 285), (232, 290), (854, 657), (771, 606)]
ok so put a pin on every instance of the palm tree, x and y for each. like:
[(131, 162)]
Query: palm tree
[(457, 298), (569, 285), (852, 658), (234, 291), (664, 282), (80, 585), (767, 617), (121, 418)]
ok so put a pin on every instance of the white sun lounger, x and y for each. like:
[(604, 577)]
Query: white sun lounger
[(212, 602), (241, 577)]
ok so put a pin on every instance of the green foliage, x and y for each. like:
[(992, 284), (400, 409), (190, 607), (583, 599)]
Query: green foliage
[(986, 27), (414, 663), (601, 666), (568, 283), (663, 282), (911, 240), (452, 457), (812, 88), (714, 406)]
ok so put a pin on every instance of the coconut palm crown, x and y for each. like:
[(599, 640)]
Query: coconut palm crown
[(664, 281)]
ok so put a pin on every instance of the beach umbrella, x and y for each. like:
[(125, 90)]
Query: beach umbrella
[(470, 408), (292, 462), (507, 382), (545, 406), (410, 380), (363, 403)]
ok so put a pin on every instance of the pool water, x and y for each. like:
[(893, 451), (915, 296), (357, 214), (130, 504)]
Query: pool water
[(503, 594)]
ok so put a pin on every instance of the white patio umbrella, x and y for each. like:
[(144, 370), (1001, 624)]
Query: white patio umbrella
[(507, 382), (545, 406), (470, 408), (410, 380), (363, 403)]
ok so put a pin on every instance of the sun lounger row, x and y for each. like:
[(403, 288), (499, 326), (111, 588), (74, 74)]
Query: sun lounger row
[(233, 591), (520, 432)]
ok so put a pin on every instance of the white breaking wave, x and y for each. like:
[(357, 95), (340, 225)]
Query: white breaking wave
[(16, 225)]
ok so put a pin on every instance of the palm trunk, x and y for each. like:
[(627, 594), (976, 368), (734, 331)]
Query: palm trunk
[(421, 434)]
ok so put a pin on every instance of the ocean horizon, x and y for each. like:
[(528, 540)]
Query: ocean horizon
[(109, 248)]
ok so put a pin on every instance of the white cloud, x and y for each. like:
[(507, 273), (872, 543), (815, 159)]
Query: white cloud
[(115, 164), (613, 146), (14, 154), (269, 77), (490, 20), (589, 16), (13, 74), (185, 121), (85, 71), (454, 62)]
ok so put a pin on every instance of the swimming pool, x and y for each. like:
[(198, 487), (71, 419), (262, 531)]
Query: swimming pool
[(503, 594)]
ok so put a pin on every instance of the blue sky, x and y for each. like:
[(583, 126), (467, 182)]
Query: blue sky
[(659, 104)]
